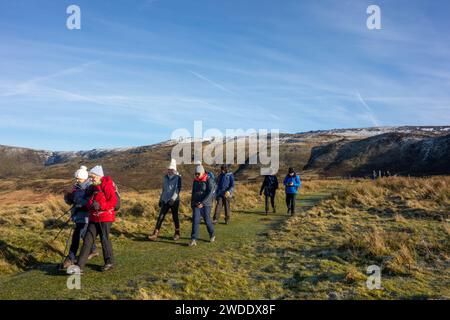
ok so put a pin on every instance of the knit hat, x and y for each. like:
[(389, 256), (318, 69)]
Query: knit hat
[(97, 170), (173, 164), (291, 170), (199, 169), (81, 173)]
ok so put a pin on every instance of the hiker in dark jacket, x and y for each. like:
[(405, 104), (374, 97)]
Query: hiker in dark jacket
[(169, 200), (269, 187), (291, 183), (201, 202), (224, 193), (78, 199), (101, 206)]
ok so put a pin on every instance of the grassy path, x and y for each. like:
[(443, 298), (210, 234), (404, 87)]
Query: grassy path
[(138, 258)]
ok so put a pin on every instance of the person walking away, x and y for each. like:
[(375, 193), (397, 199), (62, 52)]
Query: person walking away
[(224, 193), (201, 202), (169, 200), (79, 214), (101, 206), (269, 187), (291, 183)]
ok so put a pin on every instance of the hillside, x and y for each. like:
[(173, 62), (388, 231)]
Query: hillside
[(398, 153), (339, 152)]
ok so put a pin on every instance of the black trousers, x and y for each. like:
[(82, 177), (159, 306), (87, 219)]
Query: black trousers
[(290, 202), (222, 202), (76, 237), (270, 197), (97, 228), (163, 211)]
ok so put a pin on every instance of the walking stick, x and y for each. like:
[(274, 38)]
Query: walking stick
[(62, 228), (66, 212), (66, 247)]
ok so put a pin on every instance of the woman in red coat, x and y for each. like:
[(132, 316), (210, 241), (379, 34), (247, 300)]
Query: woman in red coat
[(101, 204)]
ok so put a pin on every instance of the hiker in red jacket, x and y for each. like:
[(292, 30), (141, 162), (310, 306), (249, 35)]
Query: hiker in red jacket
[(101, 204)]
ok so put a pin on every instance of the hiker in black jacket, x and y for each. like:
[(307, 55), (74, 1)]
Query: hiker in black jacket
[(201, 202), (269, 187)]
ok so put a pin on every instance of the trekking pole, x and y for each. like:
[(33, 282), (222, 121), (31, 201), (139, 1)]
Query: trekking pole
[(101, 230), (66, 246), (66, 212), (62, 228)]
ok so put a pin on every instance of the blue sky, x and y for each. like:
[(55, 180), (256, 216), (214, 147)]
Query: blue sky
[(139, 69)]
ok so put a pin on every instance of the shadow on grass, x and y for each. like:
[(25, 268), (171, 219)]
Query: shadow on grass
[(169, 240)]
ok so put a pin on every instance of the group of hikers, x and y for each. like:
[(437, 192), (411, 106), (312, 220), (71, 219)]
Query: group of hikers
[(95, 199)]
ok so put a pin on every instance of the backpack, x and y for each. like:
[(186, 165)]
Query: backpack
[(212, 177), (119, 201)]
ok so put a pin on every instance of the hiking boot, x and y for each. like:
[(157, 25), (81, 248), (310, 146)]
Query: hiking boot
[(214, 222), (227, 222), (154, 236), (176, 237), (212, 239), (107, 267), (74, 269), (67, 263), (193, 243), (92, 255)]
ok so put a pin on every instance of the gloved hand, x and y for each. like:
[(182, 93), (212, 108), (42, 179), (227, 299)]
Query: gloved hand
[(160, 203), (96, 206), (171, 202)]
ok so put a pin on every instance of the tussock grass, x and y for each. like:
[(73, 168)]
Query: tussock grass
[(399, 224), (30, 226)]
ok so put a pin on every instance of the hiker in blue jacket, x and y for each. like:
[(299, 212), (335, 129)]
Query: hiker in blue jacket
[(269, 187), (224, 192), (291, 183)]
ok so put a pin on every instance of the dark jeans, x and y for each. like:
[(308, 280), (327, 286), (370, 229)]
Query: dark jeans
[(290, 202), (162, 214), (78, 233), (197, 214), (222, 202), (272, 201), (97, 228)]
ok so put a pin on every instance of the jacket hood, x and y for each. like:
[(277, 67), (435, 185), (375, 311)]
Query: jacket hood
[(106, 180)]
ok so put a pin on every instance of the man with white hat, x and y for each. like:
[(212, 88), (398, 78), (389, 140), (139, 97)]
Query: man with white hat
[(169, 200)]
